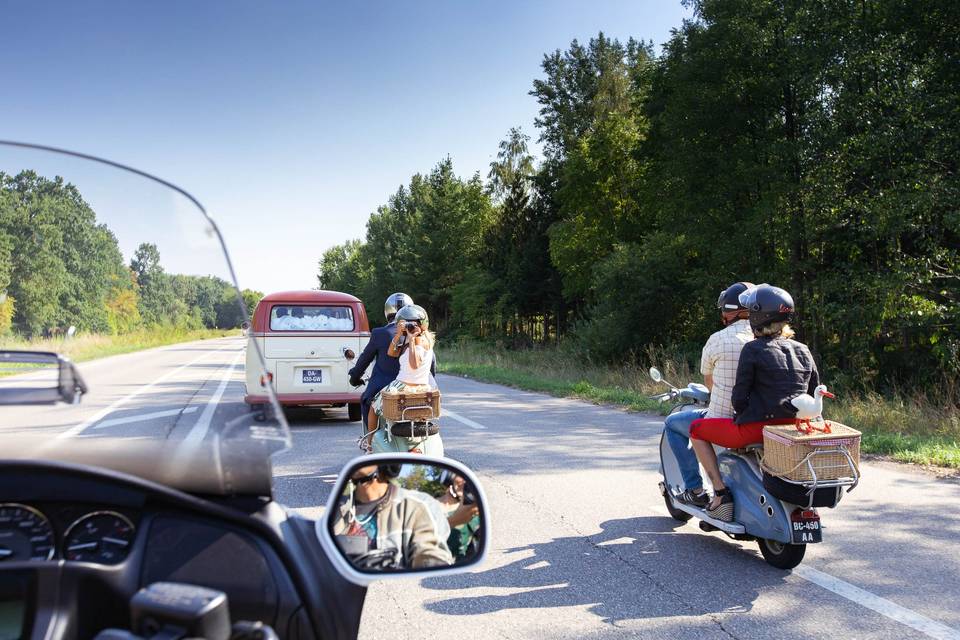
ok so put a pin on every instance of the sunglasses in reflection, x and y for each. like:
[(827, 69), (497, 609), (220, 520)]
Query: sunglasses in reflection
[(365, 479)]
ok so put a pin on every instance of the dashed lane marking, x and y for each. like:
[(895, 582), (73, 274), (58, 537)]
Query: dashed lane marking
[(459, 418)]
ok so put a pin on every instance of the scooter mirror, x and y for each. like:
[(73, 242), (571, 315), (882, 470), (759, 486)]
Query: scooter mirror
[(404, 515), (655, 374)]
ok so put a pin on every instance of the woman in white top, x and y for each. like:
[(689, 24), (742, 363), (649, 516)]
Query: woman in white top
[(413, 344)]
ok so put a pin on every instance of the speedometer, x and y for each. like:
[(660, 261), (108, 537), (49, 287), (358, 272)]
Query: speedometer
[(25, 534), (101, 536)]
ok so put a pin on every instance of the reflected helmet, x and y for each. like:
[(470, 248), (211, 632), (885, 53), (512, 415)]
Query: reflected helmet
[(395, 302), (767, 304), (729, 299), (414, 313)]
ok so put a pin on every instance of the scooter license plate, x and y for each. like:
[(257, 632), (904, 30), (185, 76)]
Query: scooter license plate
[(806, 527)]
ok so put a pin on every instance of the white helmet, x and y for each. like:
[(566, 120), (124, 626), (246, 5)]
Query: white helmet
[(394, 303)]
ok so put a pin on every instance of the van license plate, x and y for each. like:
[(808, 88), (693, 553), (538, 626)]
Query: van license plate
[(806, 527), (312, 376)]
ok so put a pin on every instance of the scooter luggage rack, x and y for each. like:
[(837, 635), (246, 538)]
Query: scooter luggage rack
[(403, 418), (811, 486)]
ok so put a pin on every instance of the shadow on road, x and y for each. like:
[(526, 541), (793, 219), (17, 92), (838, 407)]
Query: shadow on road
[(635, 568)]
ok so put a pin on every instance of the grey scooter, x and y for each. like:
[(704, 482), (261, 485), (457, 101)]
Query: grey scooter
[(780, 515)]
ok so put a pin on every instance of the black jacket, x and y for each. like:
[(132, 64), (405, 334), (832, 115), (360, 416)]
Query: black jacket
[(772, 372)]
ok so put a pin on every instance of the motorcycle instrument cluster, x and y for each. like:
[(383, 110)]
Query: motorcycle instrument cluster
[(102, 536), (25, 534)]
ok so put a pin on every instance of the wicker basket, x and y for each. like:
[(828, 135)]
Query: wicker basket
[(422, 405), (791, 454)]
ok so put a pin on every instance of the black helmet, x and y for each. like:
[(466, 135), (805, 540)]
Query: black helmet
[(394, 303), (767, 304), (414, 313), (729, 299), (386, 472)]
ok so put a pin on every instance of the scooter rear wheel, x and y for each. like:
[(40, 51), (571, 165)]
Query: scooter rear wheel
[(780, 555), (675, 513)]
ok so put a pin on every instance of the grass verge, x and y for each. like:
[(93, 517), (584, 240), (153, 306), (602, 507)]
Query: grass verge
[(915, 429), (92, 346)]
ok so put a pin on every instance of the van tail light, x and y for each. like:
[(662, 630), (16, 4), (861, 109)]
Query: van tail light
[(266, 379)]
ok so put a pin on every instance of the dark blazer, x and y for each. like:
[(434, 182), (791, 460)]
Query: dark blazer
[(771, 373), (385, 367)]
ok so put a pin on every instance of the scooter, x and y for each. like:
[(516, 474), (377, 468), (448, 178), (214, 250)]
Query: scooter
[(780, 515)]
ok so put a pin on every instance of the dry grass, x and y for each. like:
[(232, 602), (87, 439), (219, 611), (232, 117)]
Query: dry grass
[(923, 429), (90, 346)]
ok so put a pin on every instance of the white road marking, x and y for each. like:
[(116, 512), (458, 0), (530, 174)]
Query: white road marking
[(884, 607), (199, 430), (140, 417), (100, 415), (459, 418), (864, 598)]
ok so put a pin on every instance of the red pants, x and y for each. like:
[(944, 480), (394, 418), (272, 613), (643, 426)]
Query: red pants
[(726, 433)]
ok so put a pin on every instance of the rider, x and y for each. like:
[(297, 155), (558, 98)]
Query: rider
[(718, 364), (386, 367), (463, 515), (413, 344), (378, 515), (773, 370)]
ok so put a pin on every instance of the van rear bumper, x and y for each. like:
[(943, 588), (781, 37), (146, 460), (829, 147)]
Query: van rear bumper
[(306, 398)]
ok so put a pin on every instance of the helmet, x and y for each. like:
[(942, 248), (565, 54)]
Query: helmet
[(394, 303), (388, 471), (729, 299), (767, 304), (414, 313)]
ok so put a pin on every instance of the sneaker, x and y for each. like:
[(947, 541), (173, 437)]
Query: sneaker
[(699, 500)]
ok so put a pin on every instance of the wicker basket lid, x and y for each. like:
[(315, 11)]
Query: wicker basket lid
[(790, 432)]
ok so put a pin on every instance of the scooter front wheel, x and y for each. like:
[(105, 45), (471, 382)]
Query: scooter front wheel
[(675, 513), (780, 555)]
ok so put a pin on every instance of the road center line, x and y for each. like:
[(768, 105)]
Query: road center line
[(99, 415), (864, 598), (459, 418), (199, 430)]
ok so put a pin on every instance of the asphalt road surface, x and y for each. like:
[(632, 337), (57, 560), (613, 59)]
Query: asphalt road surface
[(581, 544)]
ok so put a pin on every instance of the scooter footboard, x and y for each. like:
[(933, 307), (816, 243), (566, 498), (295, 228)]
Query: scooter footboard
[(761, 514)]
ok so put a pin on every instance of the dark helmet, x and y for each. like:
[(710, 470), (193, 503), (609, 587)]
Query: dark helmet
[(729, 299), (414, 313), (394, 303), (767, 304)]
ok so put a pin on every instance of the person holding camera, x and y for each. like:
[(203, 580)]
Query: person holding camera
[(413, 345), (463, 516)]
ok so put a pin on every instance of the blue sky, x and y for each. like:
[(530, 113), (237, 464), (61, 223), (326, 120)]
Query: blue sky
[(291, 121)]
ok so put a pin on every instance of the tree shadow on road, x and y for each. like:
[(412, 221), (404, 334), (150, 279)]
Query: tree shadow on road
[(634, 568)]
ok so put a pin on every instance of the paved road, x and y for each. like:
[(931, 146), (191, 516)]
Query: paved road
[(582, 546)]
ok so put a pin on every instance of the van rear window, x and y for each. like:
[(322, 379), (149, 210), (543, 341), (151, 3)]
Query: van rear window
[(310, 318)]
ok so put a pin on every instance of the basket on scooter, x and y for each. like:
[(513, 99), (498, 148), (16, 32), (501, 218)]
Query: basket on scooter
[(406, 406), (810, 467)]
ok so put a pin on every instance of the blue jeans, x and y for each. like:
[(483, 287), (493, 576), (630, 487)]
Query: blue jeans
[(677, 428)]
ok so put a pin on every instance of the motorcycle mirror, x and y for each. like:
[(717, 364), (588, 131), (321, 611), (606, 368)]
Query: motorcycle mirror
[(38, 377), (656, 375), (428, 517)]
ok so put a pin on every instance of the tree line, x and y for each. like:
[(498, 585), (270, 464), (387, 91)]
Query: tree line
[(812, 145), (59, 267)]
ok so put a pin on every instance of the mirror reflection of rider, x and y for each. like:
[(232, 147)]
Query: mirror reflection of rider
[(385, 367), (718, 364), (463, 516), (379, 515)]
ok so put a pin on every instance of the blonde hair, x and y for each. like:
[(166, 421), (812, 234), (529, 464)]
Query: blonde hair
[(775, 329)]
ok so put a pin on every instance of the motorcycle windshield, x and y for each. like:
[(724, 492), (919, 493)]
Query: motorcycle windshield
[(128, 277)]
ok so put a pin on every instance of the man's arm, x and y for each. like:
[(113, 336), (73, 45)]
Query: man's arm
[(708, 381), (708, 361), (360, 368)]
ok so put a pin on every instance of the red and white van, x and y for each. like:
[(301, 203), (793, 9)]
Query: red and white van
[(309, 340)]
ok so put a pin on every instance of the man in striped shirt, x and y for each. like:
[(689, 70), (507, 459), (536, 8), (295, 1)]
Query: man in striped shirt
[(718, 364)]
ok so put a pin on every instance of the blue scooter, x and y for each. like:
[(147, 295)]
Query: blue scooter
[(781, 515)]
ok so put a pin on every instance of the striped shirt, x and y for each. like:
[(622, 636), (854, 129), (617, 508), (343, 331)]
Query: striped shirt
[(719, 359)]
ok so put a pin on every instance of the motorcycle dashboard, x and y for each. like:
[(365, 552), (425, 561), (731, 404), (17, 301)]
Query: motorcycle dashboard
[(73, 551)]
